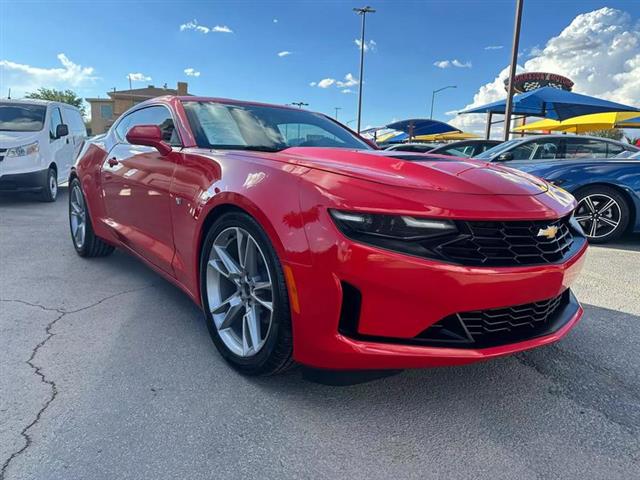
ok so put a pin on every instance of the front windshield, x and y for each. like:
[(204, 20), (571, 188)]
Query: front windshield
[(256, 127), (21, 118), (498, 149)]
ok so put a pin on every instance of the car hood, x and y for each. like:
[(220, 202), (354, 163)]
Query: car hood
[(416, 170), (16, 139)]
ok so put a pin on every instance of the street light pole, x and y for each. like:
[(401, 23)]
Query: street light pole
[(337, 109), (512, 69), (300, 104), (363, 13), (433, 96)]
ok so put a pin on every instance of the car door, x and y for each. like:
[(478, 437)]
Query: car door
[(61, 148), (136, 181)]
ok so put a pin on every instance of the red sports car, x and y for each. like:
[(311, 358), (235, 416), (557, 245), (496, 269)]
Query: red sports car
[(302, 242)]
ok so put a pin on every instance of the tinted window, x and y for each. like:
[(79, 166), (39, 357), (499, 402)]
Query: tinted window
[(523, 152), (21, 118), (586, 148), (158, 115), (547, 150), (613, 149), (56, 119), (493, 152), (257, 127)]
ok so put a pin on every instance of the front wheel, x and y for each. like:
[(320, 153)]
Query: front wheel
[(602, 212), (244, 296), (85, 241), (50, 187)]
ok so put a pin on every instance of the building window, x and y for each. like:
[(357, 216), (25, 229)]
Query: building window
[(106, 111)]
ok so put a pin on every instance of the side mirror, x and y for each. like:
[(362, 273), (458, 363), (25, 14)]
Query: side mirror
[(62, 130), (504, 157), (150, 136)]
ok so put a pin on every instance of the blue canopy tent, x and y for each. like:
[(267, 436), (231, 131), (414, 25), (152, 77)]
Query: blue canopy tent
[(549, 102), (421, 126)]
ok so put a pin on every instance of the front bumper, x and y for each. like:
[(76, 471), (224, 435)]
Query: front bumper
[(401, 296), (24, 182)]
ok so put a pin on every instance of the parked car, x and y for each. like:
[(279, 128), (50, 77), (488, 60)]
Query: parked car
[(39, 142), (465, 148), (301, 242), (413, 147), (607, 189)]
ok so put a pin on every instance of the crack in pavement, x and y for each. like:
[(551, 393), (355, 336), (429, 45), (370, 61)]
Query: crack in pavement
[(38, 370)]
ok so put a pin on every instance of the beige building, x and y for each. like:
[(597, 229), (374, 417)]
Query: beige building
[(105, 111)]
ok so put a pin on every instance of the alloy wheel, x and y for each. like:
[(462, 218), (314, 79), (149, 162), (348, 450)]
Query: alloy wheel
[(239, 291), (598, 215), (78, 215)]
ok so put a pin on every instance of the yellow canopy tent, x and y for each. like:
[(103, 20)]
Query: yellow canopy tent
[(586, 123), (437, 137)]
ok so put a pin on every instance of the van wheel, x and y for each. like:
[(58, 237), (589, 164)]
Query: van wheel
[(85, 241), (50, 187)]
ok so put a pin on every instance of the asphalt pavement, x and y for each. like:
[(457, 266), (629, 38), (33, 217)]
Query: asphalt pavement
[(107, 372)]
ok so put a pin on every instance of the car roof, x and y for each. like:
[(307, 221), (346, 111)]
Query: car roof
[(229, 101), (37, 101)]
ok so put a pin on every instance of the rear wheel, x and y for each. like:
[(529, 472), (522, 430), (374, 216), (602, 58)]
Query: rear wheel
[(50, 187), (245, 297), (602, 212), (85, 241)]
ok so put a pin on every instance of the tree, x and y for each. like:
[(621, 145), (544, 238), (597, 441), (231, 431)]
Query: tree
[(613, 133), (64, 96)]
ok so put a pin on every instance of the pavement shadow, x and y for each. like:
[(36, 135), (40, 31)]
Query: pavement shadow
[(629, 242), (8, 199)]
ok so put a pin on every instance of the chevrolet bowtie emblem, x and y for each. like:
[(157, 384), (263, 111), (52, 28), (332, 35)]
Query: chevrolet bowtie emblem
[(549, 232)]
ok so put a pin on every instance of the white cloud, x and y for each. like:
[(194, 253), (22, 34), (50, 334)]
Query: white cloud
[(222, 29), (139, 77), (451, 63), (326, 82), (194, 25), (284, 53), (349, 81), (191, 72), (494, 47), (275, 20), (313, 84), (23, 78), (346, 90), (369, 45), (598, 50)]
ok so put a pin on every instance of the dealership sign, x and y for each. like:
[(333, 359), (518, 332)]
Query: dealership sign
[(525, 82)]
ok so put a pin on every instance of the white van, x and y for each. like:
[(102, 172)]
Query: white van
[(39, 142)]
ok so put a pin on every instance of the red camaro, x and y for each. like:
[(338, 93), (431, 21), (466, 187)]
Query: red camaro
[(303, 243)]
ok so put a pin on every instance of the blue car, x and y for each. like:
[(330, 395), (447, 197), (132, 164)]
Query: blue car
[(603, 175)]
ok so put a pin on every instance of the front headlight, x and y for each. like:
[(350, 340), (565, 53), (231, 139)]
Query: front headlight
[(23, 150), (401, 233)]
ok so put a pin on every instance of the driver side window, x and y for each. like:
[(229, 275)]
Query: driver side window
[(156, 115), (56, 119), (523, 152)]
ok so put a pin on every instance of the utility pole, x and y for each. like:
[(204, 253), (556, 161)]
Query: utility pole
[(433, 96), (337, 109), (130, 92), (512, 69), (363, 13)]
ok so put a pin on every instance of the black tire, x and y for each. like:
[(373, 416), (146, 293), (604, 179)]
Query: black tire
[(276, 355), (602, 191), (92, 246), (50, 188)]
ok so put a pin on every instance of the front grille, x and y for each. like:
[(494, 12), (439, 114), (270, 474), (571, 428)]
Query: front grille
[(499, 326), (506, 243)]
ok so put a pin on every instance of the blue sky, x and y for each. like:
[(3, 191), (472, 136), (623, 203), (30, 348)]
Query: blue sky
[(105, 41)]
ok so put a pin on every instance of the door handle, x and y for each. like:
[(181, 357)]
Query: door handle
[(112, 162)]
